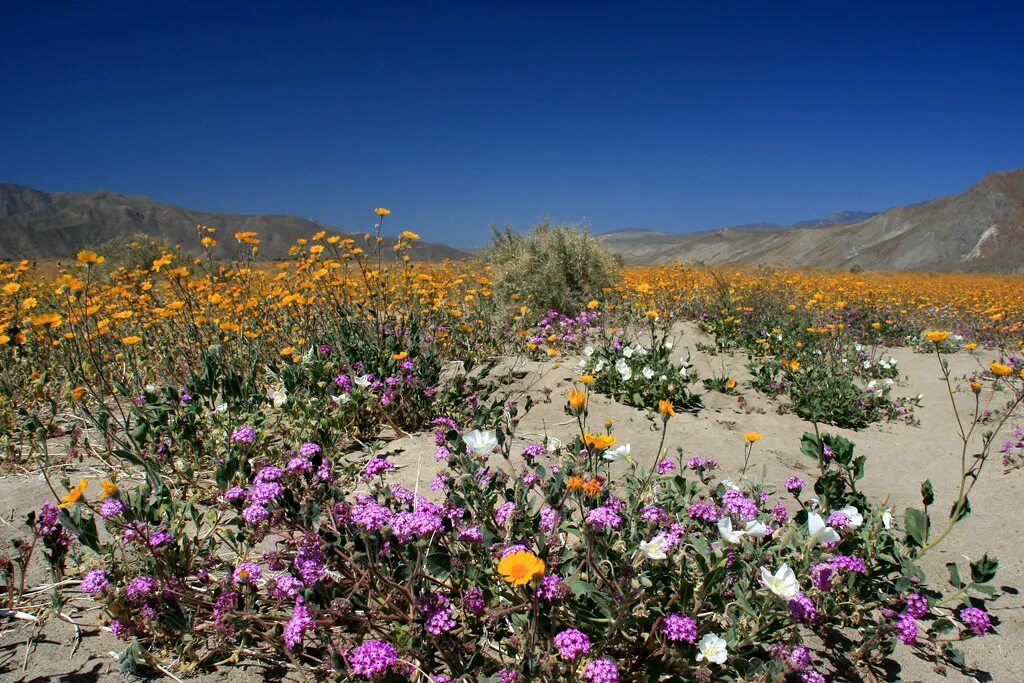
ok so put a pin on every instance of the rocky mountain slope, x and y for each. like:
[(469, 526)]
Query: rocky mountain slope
[(981, 229), (35, 224)]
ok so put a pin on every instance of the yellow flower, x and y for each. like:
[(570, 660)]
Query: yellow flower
[(599, 442), (577, 399), (936, 336), (975, 386), (410, 235), (287, 351), (381, 211), (971, 346), (999, 369), (131, 340), (109, 488), (73, 495), (11, 288), (208, 242), (666, 408), (730, 384), (592, 304), (520, 568), (88, 257), (29, 303), (752, 437), (78, 393), (400, 356), (586, 379), (574, 483)]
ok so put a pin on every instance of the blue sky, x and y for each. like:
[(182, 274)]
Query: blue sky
[(674, 116)]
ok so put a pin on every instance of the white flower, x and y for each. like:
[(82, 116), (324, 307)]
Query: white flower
[(647, 373), (599, 367), (341, 398), (654, 549), (684, 372), (853, 514), (363, 381), (783, 582), (552, 445), (730, 484), (617, 453), (712, 648), (151, 388), (479, 442), (628, 352), (867, 364), (756, 529), (817, 530), (887, 518), (279, 397), (727, 533), (889, 382), (588, 351), (669, 344), (221, 407), (639, 350), (871, 385), (625, 372)]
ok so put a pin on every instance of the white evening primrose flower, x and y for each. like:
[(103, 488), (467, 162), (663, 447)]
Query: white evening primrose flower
[(221, 407), (713, 648), (588, 351), (817, 530), (625, 372), (887, 518), (783, 582), (151, 388), (668, 344), (363, 381), (730, 484), (553, 444), (853, 514), (481, 443), (654, 549), (684, 372), (627, 351), (617, 453), (756, 529), (279, 397), (647, 373), (599, 367), (727, 533)]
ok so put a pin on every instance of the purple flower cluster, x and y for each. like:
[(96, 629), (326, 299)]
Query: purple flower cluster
[(95, 582), (504, 513), (906, 627), (701, 464), (601, 671), (141, 587), (296, 628), (111, 508), (795, 485), (666, 466), (977, 620), (801, 608), (377, 466), (438, 610), (737, 503), (917, 605), (572, 643), (551, 588), (707, 512), (604, 517), (247, 572), (244, 434), (548, 518), (679, 628), (373, 658)]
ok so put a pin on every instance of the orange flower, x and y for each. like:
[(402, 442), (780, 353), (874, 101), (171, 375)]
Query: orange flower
[(131, 340), (666, 408), (593, 487), (381, 211), (936, 336), (574, 483), (752, 437), (730, 384), (577, 400), (971, 346), (599, 442), (400, 356), (592, 304), (999, 369), (586, 379), (975, 386), (89, 258), (520, 568), (109, 488), (78, 393), (73, 495)]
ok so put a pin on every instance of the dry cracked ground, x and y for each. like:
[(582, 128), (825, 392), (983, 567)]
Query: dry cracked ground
[(900, 457)]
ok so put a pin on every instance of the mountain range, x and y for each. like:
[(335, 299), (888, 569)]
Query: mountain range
[(36, 224), (981, 229)]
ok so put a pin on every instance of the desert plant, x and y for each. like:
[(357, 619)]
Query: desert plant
[(553, 267)]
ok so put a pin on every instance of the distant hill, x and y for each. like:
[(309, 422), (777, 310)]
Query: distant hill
[(36, 224), (981, 229)]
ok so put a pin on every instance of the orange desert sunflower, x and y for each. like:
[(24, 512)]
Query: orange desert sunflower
[(520, 568)]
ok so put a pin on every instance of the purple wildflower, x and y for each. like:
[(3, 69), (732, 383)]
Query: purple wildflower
[(679, 628), (572, 643), (373, 658)]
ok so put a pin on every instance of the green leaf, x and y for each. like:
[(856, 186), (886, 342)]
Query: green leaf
[(954, 575), (984, 570), (810, 445), (964, 512), (917, 526)]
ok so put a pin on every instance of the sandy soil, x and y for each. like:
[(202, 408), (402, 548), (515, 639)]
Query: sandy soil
[(900, 457)]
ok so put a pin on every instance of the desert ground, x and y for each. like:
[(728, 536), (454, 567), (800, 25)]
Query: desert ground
[(900, 457)]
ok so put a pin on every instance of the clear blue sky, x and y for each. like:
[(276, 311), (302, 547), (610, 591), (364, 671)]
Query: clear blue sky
[(459, 114)]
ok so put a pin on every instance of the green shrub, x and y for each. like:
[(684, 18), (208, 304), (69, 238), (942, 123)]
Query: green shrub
[(553, 267)]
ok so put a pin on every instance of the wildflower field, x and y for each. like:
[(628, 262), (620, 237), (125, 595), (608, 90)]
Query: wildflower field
[(355, 466)]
